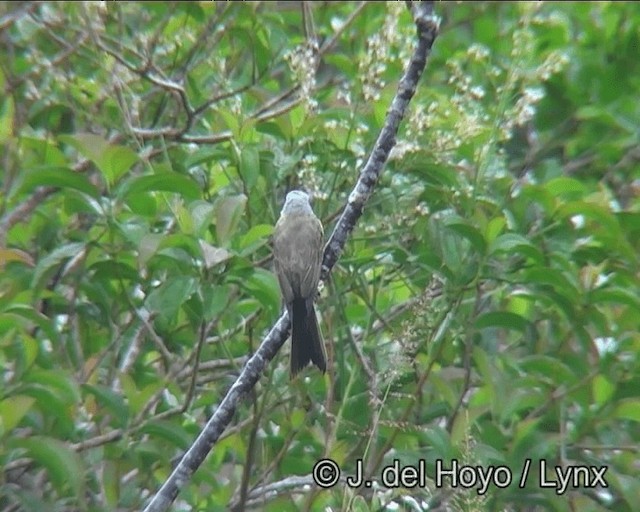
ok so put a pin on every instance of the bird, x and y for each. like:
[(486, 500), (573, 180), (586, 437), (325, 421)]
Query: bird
[(297, 250)]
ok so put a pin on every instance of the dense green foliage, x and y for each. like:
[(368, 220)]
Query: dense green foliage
[(486, 309)]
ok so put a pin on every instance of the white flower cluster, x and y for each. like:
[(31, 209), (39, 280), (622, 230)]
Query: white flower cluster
[(382, 49), (525, 77), (308, 175), (488, 99), (303, 62)]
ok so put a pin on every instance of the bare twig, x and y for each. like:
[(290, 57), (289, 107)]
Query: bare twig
[(23, 10), (22, 211), (272, 108)]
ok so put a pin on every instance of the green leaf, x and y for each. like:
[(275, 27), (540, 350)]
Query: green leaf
[(229, 210), (215, 298), (615, 296), (203, 155), (597, 112), (437, 175), (594, 212), (439, 440), (342, 62), (138, 398), (250, 165), (24, 311), (148, 246), (12, 410), (58, 381), (112, 161), (116, 161), (63, 465), (515, 243), (494, 228), (202, 213), (114, 270), (527, 437), (231, 121), (76, 202), (39, 152), (144, 204), (162, 182), (264, 286), (553, 278), (520, 399), (171, 432), (181, 241), (568, 189), (7, 111), (255, 238), (550, 367), (469, 232), (53, 405), (26, 351), (628, 409), (54, 176), (537, 194), (169, 296), (485, 366), (54, 259), (183, 216), (278, 128), (112, 402), (603, 389), (503, 319)]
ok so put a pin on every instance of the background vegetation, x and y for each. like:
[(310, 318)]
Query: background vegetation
[(486, 308)]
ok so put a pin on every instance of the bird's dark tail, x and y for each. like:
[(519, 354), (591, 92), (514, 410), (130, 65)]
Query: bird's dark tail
[(306, 340)]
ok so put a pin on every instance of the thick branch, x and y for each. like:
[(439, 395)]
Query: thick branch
[(427, 27)]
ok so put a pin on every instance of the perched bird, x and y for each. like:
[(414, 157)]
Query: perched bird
[(297, 250)]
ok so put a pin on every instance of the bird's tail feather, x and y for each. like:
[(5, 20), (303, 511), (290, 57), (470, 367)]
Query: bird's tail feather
[(306, 340)]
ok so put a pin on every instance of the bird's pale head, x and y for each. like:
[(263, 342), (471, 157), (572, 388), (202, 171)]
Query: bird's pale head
[(297, 202)]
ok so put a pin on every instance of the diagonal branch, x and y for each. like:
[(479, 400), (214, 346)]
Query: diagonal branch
[(427, 29), (427, 26)]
